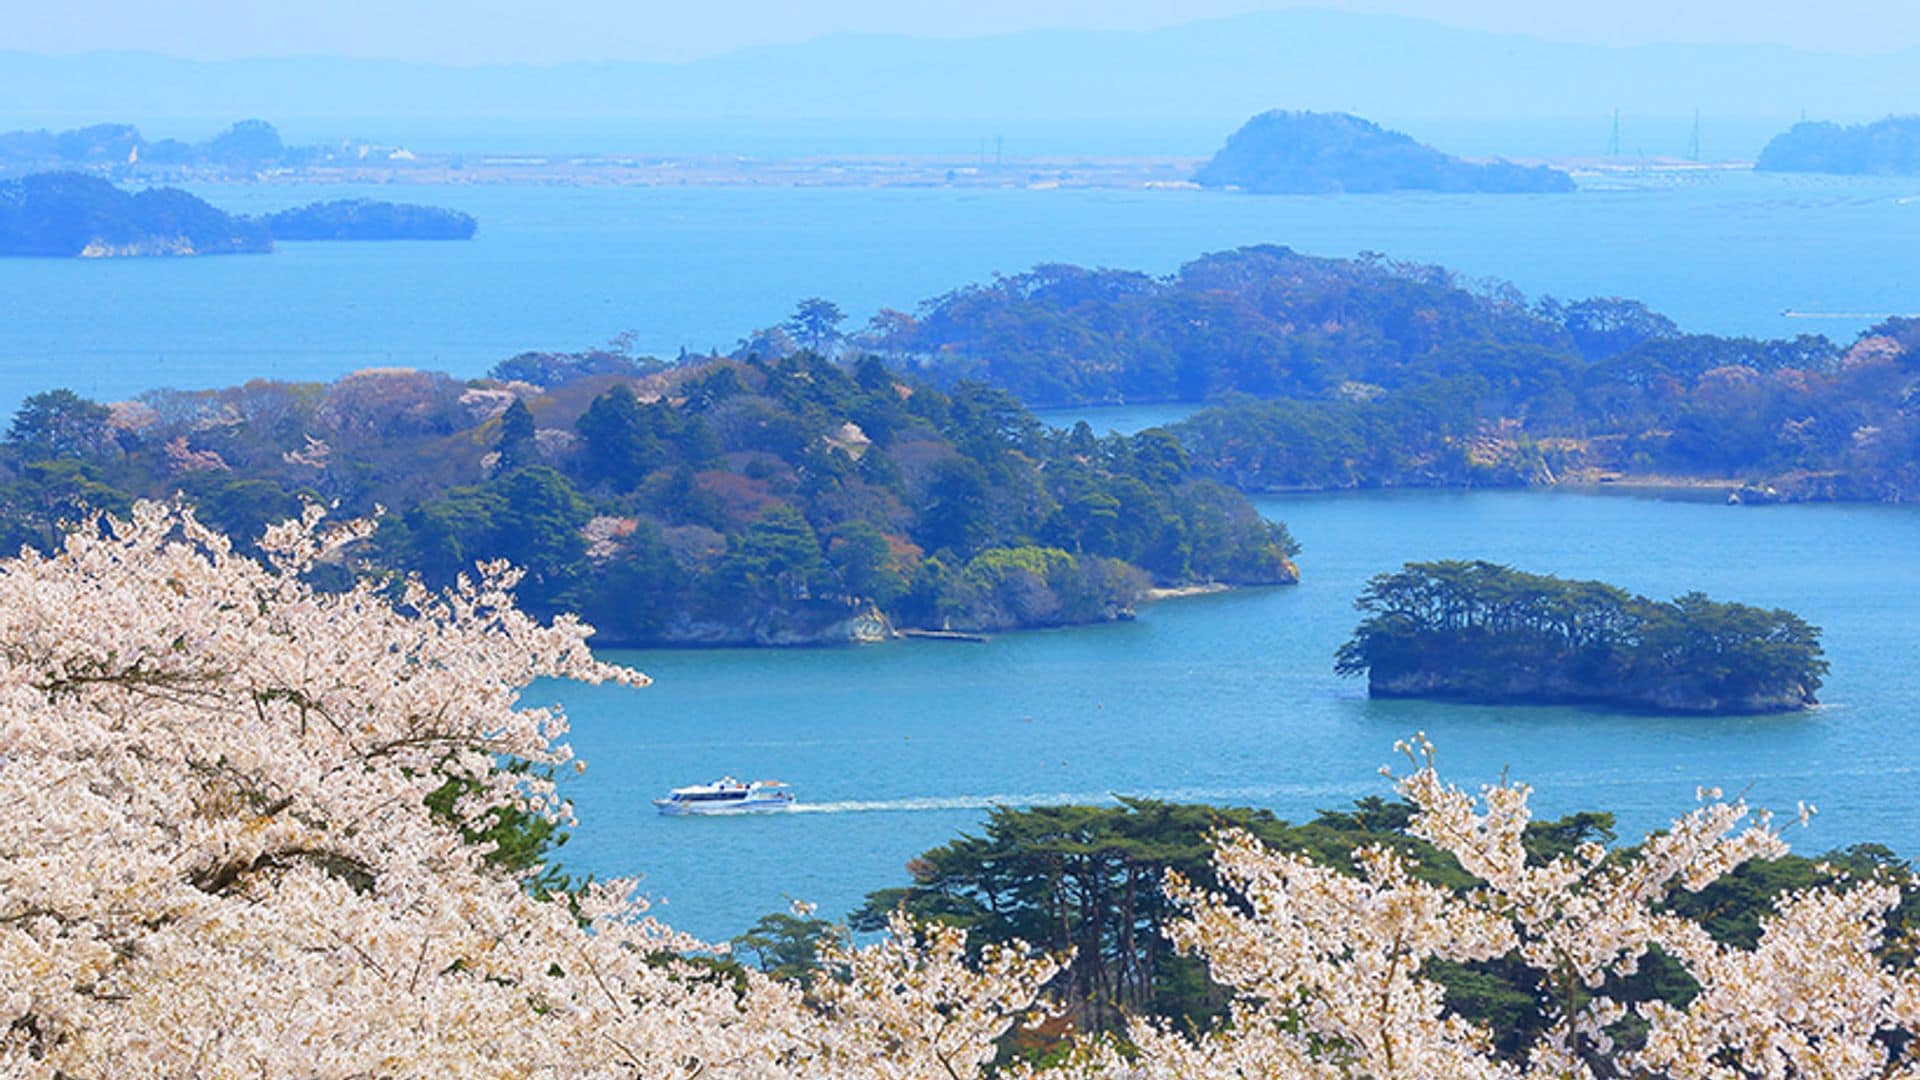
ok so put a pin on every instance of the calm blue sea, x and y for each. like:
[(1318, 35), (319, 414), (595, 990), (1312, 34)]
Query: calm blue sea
[(1231, 699), (1225, 698), (697, 268)]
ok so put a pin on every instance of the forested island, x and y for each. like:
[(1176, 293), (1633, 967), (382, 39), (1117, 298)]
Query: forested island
[(1309, 153), (71, 214), (368, 219), (1476, 631), (1372, 372), (1889, 147), (717, 501), (1266, 321)]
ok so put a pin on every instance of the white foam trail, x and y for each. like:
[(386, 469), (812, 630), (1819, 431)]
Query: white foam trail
[(951, 802), (1067, 798), (1319, 795), (1793, 314)]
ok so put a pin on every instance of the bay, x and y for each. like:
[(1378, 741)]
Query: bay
[(557, 267), (1227, 698), (1231, 699)]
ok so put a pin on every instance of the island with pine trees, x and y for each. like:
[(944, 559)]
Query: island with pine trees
[(715, 501), (1481, 632)]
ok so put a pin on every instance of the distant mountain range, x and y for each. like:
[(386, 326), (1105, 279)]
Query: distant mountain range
[(1215, 72)]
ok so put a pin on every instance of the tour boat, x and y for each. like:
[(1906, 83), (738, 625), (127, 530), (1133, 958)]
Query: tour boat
[(728, 796)]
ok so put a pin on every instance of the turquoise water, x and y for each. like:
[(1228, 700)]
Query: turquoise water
[(1125, 419), (1224, 698), (1231, 699), (566, 267)]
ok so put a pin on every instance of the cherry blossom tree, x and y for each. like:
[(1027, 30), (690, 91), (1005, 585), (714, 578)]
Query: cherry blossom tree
[(1328, 967), (217, 857)]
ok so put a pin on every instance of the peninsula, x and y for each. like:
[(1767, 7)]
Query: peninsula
[(1476, 631), (1310, 153)]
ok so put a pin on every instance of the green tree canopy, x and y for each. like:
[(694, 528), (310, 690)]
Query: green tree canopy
[(59, 423)]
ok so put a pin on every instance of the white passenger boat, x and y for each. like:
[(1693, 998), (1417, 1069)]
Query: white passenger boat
[(728, 796)]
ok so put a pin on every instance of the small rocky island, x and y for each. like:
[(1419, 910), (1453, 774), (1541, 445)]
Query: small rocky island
[(1310, 153), (71, 214), (1889, 147), (1481, 632), (367, 219)]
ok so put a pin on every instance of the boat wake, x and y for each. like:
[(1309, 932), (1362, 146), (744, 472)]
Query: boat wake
[(1254, 795), (953, 802)]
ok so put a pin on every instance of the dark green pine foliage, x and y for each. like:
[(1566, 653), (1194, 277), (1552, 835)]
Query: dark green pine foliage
[(784, 946), (523, 842), (718, 501), (1484, 632), (1373, 372), (816, 324), (517, 437), (1266, 321), (1087, 878), (59, 424), (622, 443)]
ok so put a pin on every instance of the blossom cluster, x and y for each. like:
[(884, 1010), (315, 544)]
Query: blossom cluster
[(217, 857), (1329, 969)]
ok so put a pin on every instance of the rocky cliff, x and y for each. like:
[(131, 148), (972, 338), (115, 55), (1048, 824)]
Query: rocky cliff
[(1521, 687)]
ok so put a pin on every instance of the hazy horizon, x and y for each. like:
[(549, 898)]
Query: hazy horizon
[(1176, 90), (491, 32)]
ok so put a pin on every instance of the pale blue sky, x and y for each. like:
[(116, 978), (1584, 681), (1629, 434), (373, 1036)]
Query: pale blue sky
[(480, 31)]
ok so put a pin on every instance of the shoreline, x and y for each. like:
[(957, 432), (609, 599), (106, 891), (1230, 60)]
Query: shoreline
[(1653, 486), (1039, 172), (1176, 592), (900, 634), (1646, 486), (1036, 173)]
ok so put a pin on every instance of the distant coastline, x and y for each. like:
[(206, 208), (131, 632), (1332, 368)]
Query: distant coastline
[(1047, 172), (252, 152), (80, 215)]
